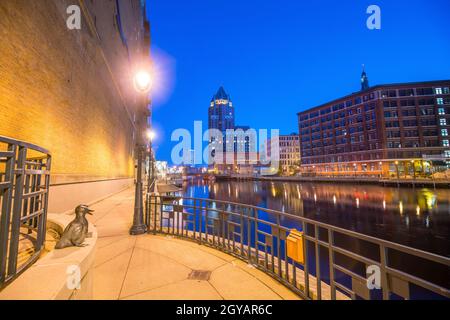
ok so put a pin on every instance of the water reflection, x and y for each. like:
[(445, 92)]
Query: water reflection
[(415, 217)]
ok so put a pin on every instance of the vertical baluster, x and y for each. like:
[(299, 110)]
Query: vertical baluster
[(255, 216), (317, 248), (384, 279), (305, 254), (280, 273), (194, 226), (249, 236), (286, 262), (17, 210), (241, 228), (331, 262), (6, 198), (200, 221)]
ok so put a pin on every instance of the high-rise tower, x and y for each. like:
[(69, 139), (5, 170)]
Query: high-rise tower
[(221, 112)]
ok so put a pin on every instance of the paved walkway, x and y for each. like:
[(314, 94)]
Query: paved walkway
[(163, 267)]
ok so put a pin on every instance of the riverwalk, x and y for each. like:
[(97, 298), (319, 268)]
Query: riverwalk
[(419, 182), (163, 267)]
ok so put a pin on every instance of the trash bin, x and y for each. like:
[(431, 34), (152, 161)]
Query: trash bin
[(294, 243)]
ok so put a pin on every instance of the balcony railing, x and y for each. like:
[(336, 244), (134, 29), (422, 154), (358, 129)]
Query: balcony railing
[(337, 261), (24, 184)]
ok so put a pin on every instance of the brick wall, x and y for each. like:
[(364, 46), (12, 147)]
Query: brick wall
[(70, 91)]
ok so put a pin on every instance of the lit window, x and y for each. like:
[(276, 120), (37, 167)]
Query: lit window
[(441, 111), (447, 153), (443, 122), (440, 101), (438, 90), (446, 90), (444, 132), (445, 143)]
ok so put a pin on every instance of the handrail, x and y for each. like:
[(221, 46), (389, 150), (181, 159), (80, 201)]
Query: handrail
[(239, 230), (24, 187)]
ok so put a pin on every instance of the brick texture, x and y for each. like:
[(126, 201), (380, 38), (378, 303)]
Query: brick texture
[(68, 90)]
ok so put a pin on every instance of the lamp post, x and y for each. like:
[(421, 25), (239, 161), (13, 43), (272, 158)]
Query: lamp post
[(142, 84), (151, 164)]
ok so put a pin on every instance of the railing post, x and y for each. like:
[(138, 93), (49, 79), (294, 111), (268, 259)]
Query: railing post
[(17, 211), (6, 198), (384, 279), (331, 262)]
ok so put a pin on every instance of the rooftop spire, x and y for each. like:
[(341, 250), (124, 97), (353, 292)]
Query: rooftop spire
[(221, 94), (364, 79)]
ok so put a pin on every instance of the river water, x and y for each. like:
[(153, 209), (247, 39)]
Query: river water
[(418, 218)]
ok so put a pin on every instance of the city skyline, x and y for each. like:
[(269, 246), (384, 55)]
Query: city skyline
[(291, 62)]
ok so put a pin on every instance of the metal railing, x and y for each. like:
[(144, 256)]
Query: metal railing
[(24, 185), (336, 260)]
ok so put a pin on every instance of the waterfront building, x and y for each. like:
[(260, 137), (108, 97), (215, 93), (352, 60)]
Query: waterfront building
[(289, 146), (69, 91), (239, 151), (221, 112), (396, 130)]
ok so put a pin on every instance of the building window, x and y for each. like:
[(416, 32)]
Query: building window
[(440, 101), (445, 143), (441, 111), (447, 153), (443, 122), (446, 90), (438, 90), (444, 132)]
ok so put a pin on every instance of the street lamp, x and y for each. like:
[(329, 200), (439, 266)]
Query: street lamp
[(142, 83)]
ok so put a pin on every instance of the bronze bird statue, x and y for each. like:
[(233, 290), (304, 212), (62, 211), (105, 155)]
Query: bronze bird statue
[(77, 231)]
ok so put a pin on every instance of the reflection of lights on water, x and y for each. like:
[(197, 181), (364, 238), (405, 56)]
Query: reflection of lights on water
[(384, 204), (430, 199), (274, 192), (427, 221), (229, 190), (334, 199), (418, 210), (315, 197), (357, 203), (400, 207), (407, 221), (283, 209)]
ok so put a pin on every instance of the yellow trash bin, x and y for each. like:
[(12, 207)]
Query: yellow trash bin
[(294, 243)]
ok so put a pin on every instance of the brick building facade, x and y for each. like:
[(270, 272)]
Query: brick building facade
[(71, 91), (394, 129)]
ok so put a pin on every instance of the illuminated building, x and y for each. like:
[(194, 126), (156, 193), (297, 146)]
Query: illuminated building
[(289, 153), (239, 151), (392, 130), (70, 91)]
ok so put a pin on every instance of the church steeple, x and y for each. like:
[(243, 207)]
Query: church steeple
[(364, 80)]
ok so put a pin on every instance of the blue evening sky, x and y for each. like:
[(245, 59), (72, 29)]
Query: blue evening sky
[(276, 58)]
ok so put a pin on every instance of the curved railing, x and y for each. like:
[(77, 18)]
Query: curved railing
[(24, 184), (338, 263)]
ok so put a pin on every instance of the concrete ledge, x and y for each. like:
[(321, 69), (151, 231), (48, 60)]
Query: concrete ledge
[(63, 198), (47, 279)]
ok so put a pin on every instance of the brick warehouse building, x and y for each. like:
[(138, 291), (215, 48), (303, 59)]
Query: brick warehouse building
[(397, 130), (71, 91)]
